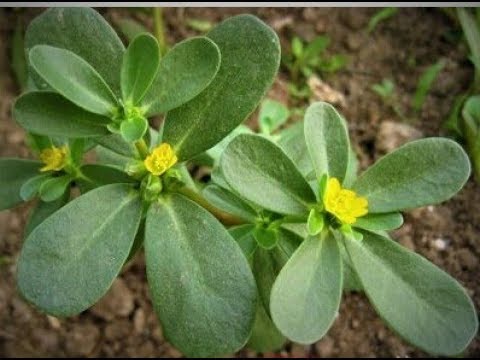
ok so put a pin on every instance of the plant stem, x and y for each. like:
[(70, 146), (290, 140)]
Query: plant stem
[(223, 217), (142, 148), (159, 29)]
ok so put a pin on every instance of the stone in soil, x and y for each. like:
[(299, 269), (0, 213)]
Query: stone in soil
[(118, 302)]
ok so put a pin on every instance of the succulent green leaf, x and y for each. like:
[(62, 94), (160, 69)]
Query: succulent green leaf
[(250, 59), (200, 281), (54, 188), (139, 68), (422, 303), (74, 78), (70, 260), (327, 140), (315, 222), (260, 172), (272, 115), (266, 238), (422, 172), (292, 142), (13, 174), (306, 296), (375, 222), (265, 335), (133, 129), (243, 235), (83, 31), (48, 113), (184, 72), (100, 175), (117, 144), (229, 202), (43, 210), (30, 187)]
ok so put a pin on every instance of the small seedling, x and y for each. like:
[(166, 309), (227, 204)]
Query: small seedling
[(380, 16)]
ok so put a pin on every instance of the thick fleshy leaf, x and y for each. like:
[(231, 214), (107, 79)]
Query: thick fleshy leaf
[(202, 288), (43, 210), (292, 142), (139, 68), (422, 303), (260, 172), (55, 187), (74, 78), (243, 235), (229, 202), (70, 260), (133, 129), (422, 172), (265, 335), (306, 296), (250, 59), (49, 113), (352, 170), (99, 175), (273, 114), (375, 222), (83, 31), (13, 174), (117, 144), (326, 135), (186, 70), (30, 187)]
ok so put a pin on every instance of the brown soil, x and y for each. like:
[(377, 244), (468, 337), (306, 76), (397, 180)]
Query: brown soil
[(123, 323)]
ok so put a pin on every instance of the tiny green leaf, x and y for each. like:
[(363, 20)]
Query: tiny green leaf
[(83, 31), (422, 172), (380, 16), (250, 59), (425, 83), (13, 174), (260, 172), (272, 115), (185, 71), (70, 260), (199, 279), (422, 303), (327, 140), (130, 28), (297, 47), (30, 187), (306, 296), (53, 188), (266, 238), (49, 113), (471, 130), (74, 78), (139, 68), (133, 129), (315, 222)]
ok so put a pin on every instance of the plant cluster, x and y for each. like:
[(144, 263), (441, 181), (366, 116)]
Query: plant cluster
[(264, 251)]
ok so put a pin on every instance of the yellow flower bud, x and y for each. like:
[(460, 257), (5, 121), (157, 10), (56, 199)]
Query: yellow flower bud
[(54, 158), (161, 159), (344, 204)]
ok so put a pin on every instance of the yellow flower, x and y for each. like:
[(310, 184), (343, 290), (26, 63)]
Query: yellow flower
[(161, 159), (345, 204), (54, 158)]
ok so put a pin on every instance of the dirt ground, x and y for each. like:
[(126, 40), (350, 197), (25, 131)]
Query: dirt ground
[(123, 323)]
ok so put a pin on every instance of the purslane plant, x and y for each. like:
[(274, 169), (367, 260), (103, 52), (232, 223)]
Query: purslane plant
[(297, 227), (346, 226), (87, 89)]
